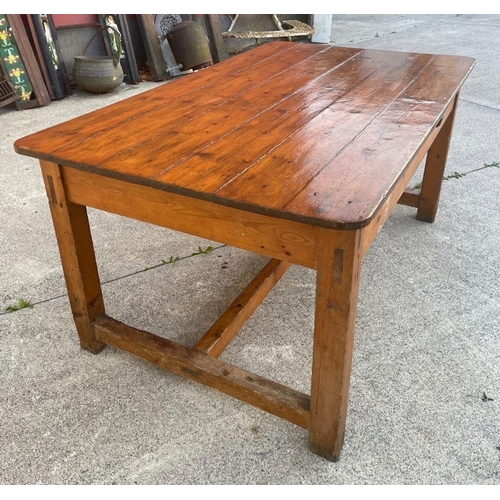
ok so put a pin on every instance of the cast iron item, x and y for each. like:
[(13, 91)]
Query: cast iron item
[(98, 74), (189, 43)]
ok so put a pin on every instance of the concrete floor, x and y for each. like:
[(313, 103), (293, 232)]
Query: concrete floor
[(427, 348)]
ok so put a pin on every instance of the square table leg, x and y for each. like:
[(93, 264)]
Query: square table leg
[(338, 273), (77, 255), (434, 170)]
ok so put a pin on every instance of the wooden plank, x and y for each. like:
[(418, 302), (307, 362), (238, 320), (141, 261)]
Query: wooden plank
[(370, 232), (156, 64), (318, 142), (160, 139), (218, 47), (237, 104), (434, 169), (41, 54), (133, 71), (223, 331), (346, 197), (77, 255), (219, 162), (410, 198), (77, 129), (339, 267), (57, 79), (40, 89), (8, 100), (189, 363), (60, 58), (280, 239)]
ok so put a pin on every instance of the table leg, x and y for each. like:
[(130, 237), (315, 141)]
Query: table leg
[(77, 255), (338, 267), (434, 170)]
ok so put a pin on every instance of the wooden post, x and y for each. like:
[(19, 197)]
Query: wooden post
[(156, 63), (134, 76), (40, 52), (339, 267), (77, 256), (62, 65), (434, 170), (217, 44)]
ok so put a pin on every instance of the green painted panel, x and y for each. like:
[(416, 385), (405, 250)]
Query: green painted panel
[(13, 62)]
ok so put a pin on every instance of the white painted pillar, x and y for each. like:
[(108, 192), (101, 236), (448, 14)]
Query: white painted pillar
[(322, 24)]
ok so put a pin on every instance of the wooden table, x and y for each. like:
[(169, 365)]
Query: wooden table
[(295, 151)]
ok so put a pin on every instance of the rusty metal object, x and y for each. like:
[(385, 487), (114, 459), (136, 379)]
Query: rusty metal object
[(190, 46), (98, 74)]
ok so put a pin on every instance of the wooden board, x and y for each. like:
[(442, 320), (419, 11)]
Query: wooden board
[(87, 125), (48, 57), (279, 239), (62, 66), (223, 331), (156, 63), (217, 44), (41, 94), (265, 394), (278, 134), (40, 53)]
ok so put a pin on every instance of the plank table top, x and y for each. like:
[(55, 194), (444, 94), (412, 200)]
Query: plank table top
[(312, 133)]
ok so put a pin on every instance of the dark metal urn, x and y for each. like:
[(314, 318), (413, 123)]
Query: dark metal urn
[(189, 43)]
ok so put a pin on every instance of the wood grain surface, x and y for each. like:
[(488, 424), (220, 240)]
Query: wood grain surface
[(223, 331), (77, 255), (241, 384), (337, 285), (276, 238), (316, 134)]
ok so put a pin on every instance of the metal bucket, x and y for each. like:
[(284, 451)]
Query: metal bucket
[(98, 74), (189, 43)]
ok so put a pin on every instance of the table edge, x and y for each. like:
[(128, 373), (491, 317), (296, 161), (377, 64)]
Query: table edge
[(230, 203)]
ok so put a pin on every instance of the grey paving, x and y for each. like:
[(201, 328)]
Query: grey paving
[(427, 339)]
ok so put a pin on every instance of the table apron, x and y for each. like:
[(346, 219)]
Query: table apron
[(282, 239)]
